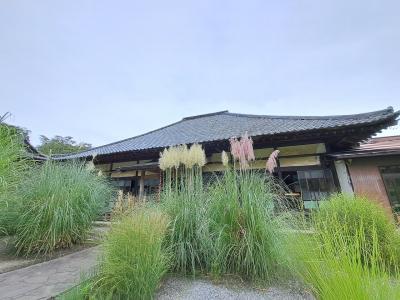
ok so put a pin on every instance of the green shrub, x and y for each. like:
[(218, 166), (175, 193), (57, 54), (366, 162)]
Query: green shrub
[(187, 236), (333, 265), (13, 164), (133, 262), (345, 254), (245, 228), (80, 292), (59, 203), (344, 215)]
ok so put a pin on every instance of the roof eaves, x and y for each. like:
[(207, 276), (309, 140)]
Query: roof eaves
[(388, 111), (368, 153)]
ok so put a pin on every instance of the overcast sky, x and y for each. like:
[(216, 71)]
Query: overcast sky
[(101, 71)]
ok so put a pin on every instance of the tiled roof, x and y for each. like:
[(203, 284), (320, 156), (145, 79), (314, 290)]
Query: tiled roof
[(380, 146), (224, 125), (385, 142)]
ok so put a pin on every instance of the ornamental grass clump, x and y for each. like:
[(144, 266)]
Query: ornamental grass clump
[(133, 261), (347, 252), (243, 220), (347, 214), (59, 202), (183, 199), (13, 165)]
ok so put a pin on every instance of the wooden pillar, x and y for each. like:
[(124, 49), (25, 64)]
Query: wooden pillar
[(343, 177), (278, 166), (141, 184)]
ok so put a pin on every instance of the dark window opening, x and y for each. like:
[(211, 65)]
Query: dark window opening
[(391, 179), (315, 186), (132, 185), (293, 191), (124, 184), (151, 186)]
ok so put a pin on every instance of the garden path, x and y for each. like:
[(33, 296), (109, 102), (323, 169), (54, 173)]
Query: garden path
[(174, 288), (47, 279)]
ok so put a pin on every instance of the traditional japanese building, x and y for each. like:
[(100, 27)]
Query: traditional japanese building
[(306, 146)]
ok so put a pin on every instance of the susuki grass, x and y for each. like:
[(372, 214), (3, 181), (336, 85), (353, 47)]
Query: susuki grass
[(133, 261), (13, 164), (59, 202)]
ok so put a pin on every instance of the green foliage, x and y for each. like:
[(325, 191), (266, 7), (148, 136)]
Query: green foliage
[(60, 145), (13, 164), (133, 262), (80, 292), (188, 238), (244, 225), (344, 215), (59, 202), (344, 256)]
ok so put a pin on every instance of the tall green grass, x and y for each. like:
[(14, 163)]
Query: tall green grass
[(345, 215), (344, 255), (13, 164), (82, 291), (59, 202), (188, 238), (245, 227), (133, 261)]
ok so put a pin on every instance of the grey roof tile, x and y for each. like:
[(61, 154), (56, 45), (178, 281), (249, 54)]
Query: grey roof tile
[(224, 125)]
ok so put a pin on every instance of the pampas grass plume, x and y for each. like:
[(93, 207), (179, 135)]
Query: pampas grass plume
[(173, 157), (242, 150), (197, 154), (272, 161), (224, 159), (164, 160)]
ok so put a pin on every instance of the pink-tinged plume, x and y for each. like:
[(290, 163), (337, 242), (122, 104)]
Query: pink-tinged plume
[(272, 161), (235, 148), (247, 146), (242, 150)]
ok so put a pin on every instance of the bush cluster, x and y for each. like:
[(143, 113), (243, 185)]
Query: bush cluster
[(347, 216), (244, 227), (133, 260), (46, 205), (351, 251), (13, 165), (58, 203)]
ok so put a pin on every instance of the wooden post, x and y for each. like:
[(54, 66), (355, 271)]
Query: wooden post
[(141, 184), (278, 165)]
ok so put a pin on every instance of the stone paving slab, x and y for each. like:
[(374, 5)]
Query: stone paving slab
[(47, 279)]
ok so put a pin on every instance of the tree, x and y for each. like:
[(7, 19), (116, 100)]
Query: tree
[(19, 130), (60, 145)]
